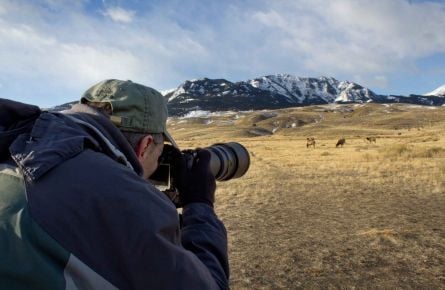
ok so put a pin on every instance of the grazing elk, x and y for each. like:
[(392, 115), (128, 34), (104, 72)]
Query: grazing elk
[(340, 142), (310, 142), (371, 139)]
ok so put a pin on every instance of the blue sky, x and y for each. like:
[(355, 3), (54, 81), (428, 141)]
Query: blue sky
[(51, 51)]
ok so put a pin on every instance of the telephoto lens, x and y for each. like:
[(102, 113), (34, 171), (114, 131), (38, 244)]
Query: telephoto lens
[(228, 160)]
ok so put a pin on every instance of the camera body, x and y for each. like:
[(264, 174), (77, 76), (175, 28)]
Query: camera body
[(227, 161)]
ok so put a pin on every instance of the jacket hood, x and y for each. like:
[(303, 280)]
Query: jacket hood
[(15, 118), (99, 123), (59, 136)]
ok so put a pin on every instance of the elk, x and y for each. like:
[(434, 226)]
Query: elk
[(340, 142), (310, 142), (371, 139)]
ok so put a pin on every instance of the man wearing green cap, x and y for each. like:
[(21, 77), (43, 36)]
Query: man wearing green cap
[(77, 211)]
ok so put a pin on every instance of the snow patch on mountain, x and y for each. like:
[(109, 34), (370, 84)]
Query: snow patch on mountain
[(307, 90), (440, 91), (208, 114), (179, 91), (196, 114), (166, 92)]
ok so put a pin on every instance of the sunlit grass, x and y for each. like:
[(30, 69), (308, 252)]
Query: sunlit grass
[(362, 216)]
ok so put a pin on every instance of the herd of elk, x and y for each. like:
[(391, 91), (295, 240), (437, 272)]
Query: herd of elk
[(310, 142)]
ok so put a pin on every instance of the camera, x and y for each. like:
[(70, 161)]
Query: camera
[(227, 161)]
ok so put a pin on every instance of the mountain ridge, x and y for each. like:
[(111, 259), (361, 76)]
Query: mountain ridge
[(276, 92)]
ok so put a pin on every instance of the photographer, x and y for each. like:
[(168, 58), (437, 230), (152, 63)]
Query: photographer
[(77, 211)]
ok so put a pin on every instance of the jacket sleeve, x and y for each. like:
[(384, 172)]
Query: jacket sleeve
[(205, 235)]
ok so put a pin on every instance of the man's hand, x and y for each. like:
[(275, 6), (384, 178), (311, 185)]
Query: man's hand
[(195, 183)]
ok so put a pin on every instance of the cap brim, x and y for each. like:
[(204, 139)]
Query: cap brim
[(170, 139)]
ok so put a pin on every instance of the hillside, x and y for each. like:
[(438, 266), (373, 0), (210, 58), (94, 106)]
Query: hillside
[(327, 120)]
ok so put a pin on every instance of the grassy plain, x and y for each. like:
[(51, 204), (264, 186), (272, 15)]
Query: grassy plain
[(367, 215)]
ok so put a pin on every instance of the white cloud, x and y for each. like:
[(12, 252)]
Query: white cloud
[(394, 27), (119, 14), (349, 37), (40, 62), (38, 54), (70, 46)]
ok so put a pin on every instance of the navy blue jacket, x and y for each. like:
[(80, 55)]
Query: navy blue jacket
[(103, 225)]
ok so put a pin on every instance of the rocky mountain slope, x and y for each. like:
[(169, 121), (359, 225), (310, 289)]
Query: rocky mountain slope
[(277, 91)]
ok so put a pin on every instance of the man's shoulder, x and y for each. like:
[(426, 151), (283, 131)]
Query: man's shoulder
[(98, 167), (102, 175)]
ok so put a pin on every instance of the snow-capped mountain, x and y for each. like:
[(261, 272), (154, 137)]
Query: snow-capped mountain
[(275, 92), (222, 95), (309, 90), (440, 91)]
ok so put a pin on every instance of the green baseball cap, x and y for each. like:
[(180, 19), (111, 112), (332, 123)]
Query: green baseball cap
[(134, 107)]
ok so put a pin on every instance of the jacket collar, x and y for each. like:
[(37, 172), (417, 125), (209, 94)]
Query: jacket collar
[(58, 136)]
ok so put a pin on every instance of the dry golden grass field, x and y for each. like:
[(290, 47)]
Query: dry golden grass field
[(362, 216)]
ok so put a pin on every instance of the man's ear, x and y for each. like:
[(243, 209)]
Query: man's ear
[(143, 144)]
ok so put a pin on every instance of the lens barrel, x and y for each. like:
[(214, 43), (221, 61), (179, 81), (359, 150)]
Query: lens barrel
[(228, 160)]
